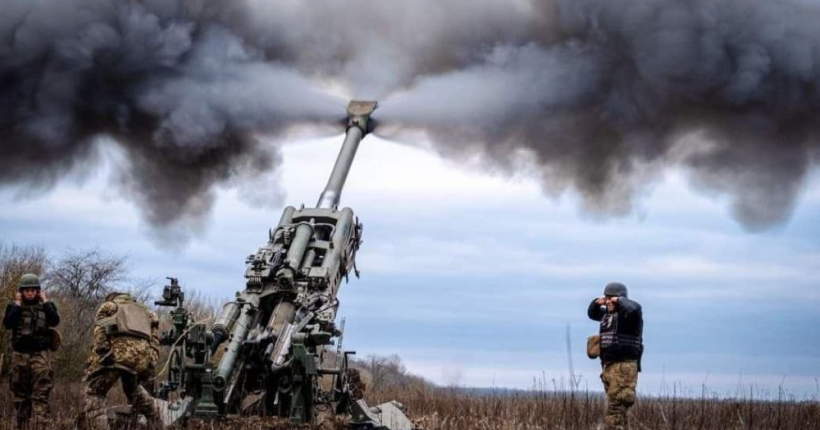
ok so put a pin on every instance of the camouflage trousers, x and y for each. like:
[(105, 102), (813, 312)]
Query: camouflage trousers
[(31, 382), (134, 387), (620, 380)]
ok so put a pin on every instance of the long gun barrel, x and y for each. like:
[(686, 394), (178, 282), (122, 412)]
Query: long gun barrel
[(309, 253), (274, 336), (358, 120)]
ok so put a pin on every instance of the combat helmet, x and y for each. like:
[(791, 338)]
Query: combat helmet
[(114, 294), (29, 280), (616, 289)]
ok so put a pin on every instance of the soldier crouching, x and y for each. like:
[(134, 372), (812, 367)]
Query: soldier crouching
[(126, 348), (31, 318), (621, 348)]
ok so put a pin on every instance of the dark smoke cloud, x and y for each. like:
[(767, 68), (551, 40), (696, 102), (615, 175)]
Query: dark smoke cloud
[(726, 88), (178, 89), (600, 96)]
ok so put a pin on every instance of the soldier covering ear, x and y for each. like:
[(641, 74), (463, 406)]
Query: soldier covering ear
[(621, 348), (31, 318)]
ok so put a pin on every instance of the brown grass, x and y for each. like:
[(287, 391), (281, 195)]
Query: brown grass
[(452, 409)]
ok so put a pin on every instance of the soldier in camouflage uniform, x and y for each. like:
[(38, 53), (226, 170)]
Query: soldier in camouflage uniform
[(621, 346), (126, 348), (31, 318)]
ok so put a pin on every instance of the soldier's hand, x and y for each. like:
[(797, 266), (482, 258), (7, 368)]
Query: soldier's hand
[(18, 299), (43, 296), (600, 301), (614, 300)]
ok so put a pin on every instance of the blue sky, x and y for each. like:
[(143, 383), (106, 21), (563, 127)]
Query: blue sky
[(472, 277)]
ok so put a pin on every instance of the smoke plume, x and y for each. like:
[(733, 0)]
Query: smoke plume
[(601, 96), (728, 89), (179, 90)]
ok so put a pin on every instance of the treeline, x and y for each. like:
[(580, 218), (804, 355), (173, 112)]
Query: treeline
[(388, 374)]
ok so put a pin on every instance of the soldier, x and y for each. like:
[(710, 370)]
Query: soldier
[(621, 349), (31, 318), (126, 348)]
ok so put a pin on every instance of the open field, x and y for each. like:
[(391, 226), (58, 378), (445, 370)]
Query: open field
[(449, 409), (545, 407), (452, 409)]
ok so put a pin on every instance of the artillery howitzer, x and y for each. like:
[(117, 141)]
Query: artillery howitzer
[(271, 340)]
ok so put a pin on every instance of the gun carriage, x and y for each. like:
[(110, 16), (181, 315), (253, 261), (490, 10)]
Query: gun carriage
[(267, 352)]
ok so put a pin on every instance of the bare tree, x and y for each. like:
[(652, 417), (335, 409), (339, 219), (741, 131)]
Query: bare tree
[(86, 276), (386, 372), (201, 306), (79, 282)]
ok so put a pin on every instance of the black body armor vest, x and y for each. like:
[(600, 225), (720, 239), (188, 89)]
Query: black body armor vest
[(32, 333), (621, 338)]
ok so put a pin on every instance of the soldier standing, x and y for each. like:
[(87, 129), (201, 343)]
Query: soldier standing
[(621, 348), (126, 348), (31, 318)]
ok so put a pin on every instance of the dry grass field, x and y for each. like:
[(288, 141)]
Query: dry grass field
[(449, 409), (453, 409)]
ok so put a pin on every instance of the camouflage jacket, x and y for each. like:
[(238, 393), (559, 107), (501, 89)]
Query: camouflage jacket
[(136, 355)]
